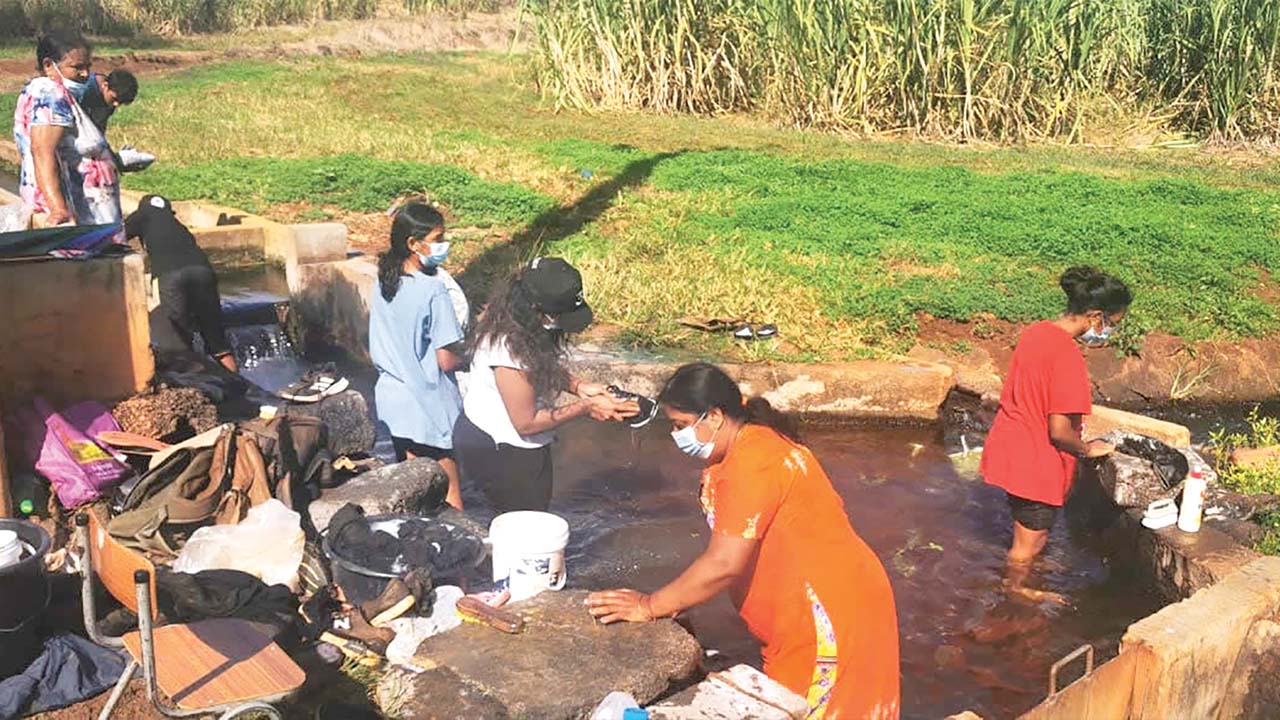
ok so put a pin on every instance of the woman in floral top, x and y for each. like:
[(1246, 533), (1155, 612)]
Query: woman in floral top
[(807, 586), (68, 174)]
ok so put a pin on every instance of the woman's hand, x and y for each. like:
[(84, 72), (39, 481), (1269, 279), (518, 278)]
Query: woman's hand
[(607, 407), (613, 606), (1098, 448), (589, 389)]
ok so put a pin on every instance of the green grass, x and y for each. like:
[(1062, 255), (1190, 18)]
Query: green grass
[(843, 242), (350, 182)]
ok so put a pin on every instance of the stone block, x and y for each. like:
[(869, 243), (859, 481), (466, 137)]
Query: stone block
[(437, 694), (52, 345), (416, 486), (347, 417), (1186, 653), (1179, 563), (1104, 695), (319, 242), (1254, 690), (737, 693), (231, 244), (871, 389), (1105, 420), (332, 302), (564, 663)]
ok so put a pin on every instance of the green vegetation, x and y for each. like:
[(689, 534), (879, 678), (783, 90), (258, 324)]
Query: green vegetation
[(997, 69), (1262, 431), (1270, 542), (841, 243), (350, 182)]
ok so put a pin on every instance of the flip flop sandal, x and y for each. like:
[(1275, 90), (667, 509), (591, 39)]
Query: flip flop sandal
[(754, 332), (130, 442), (713, 325)]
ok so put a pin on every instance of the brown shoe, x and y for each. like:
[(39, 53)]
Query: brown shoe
[(353, 625), (394, 601)]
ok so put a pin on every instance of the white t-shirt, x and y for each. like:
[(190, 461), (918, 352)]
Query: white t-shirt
[(461, 308), (483, 403)]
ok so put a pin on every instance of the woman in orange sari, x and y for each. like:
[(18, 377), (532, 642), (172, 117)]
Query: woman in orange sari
[(807, 586)]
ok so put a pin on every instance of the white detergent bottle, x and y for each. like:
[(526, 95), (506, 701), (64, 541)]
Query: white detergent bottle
[(1192, 507)]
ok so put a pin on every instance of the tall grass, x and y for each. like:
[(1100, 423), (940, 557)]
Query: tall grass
[(998, 69)]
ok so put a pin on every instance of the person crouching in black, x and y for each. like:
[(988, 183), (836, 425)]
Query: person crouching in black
[(189, 300)]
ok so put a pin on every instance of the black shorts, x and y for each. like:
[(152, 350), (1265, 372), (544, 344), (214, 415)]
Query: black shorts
[(189, 304), (1032, 514), (404, 446), (512, 478)]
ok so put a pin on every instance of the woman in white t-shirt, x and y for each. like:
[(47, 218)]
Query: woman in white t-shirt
[(504, 434)]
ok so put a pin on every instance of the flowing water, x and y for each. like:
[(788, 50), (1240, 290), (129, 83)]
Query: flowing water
[(253, 304), (631, 500)]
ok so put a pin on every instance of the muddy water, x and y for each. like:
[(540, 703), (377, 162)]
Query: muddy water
[(631, 501)]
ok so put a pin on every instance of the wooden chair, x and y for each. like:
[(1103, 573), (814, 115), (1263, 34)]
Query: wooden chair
[(221, 665)]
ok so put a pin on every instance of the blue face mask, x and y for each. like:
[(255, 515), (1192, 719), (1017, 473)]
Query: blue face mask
[(1098, 338), (688, 442), (439, 253), (77, 89)]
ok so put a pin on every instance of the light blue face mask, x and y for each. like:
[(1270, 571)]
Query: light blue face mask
[(1096, 338), (439, 254), (688, 442), (77, 89)]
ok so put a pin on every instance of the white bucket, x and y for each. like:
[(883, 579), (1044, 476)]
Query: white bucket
[(10, 548), (528, 552)]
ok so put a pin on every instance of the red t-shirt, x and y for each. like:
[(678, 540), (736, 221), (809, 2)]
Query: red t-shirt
[(1047, 377)]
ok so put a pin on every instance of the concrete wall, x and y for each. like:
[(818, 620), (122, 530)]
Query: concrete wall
[(1195, 659), (74, 330)]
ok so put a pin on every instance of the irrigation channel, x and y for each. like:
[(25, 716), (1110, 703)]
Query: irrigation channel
[(631, 501)]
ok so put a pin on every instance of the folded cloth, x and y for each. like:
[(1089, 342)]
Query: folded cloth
[(69, 670)]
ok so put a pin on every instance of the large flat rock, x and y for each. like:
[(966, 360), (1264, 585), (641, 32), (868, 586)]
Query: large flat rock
[(564, 663), (902, 389), (416, 486)]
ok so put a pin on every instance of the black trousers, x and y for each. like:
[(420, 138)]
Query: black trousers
[(189, 303), (513, 478)]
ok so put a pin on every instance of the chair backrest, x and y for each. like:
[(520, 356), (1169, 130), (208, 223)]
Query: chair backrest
[(114, 564)]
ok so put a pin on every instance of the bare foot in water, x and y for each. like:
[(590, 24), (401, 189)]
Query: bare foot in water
[(1038, 596)]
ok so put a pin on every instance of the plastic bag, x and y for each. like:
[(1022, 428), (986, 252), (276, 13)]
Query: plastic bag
[(60, 446), (267, 544), (14, 217)]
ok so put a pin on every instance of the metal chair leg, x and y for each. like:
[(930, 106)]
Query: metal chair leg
[(254, 707), (125, 678)]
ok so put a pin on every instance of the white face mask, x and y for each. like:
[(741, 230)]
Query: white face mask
[(687, 440), (1098, 338)]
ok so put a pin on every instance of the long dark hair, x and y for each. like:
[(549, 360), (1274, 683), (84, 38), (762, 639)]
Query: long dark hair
[(1091, 289), (699, 387), (55, 45), (414, 221), (512, 317)]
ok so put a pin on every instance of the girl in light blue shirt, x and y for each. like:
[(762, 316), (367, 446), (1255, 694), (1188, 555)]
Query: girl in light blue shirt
[(415, 341)]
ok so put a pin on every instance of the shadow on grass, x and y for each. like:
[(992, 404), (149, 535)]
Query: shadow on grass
[(552, 226)]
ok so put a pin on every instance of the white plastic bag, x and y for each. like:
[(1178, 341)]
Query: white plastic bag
[(266, 544), (14, 217), (613, 706)]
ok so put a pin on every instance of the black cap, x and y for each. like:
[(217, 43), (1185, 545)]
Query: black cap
[(556, 288), (155, 201)]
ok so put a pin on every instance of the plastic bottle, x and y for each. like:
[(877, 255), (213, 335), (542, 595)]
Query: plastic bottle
[(1192, 507), (28, 491), (614, 705)]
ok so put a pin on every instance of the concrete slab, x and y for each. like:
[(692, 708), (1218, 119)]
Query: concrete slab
[(739, 693), (564, 663), (74, 330), (319, 242), (332, 302), (1181, 564), (1186, 653), (1105, 419)]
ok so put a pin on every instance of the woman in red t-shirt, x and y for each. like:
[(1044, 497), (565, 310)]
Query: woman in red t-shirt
[(807, 586), (1032, 448)]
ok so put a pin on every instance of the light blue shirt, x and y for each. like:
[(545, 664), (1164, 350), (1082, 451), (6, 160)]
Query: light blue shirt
[(414, 397)]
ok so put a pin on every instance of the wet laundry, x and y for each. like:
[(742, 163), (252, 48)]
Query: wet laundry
[(418, 543), (69, 669)]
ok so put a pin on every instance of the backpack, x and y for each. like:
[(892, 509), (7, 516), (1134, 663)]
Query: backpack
[(295, 449)]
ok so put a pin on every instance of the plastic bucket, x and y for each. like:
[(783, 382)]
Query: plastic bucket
[(528, 552), (24, 596)]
